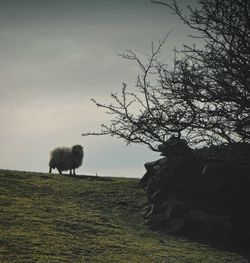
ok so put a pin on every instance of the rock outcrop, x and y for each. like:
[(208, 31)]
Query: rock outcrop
[(204, 191)]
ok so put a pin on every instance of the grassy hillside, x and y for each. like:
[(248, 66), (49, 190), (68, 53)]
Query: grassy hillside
[(52, 218)]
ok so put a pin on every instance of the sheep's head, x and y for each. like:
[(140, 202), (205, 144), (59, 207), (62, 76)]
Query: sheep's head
[(77, 150)]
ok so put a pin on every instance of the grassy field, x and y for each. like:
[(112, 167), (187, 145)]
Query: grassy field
[(52, 218)]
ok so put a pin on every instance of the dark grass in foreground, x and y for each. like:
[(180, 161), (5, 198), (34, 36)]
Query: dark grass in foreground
[(52, 218)]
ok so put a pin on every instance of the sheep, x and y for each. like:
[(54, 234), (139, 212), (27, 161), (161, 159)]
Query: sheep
[(64, 158)]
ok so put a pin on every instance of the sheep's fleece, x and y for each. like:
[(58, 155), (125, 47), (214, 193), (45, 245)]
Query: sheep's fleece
[(64, 158)]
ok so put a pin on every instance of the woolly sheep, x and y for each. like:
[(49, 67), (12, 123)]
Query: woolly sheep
[(64, 158)]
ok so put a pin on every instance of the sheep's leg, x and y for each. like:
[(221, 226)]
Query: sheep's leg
[(59, 171), (74, 172), (50, 170), (70, 172)]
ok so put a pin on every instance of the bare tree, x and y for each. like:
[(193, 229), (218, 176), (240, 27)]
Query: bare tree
[(204, 96)]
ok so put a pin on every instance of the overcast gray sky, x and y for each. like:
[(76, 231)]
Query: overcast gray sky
[(55, 55)]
